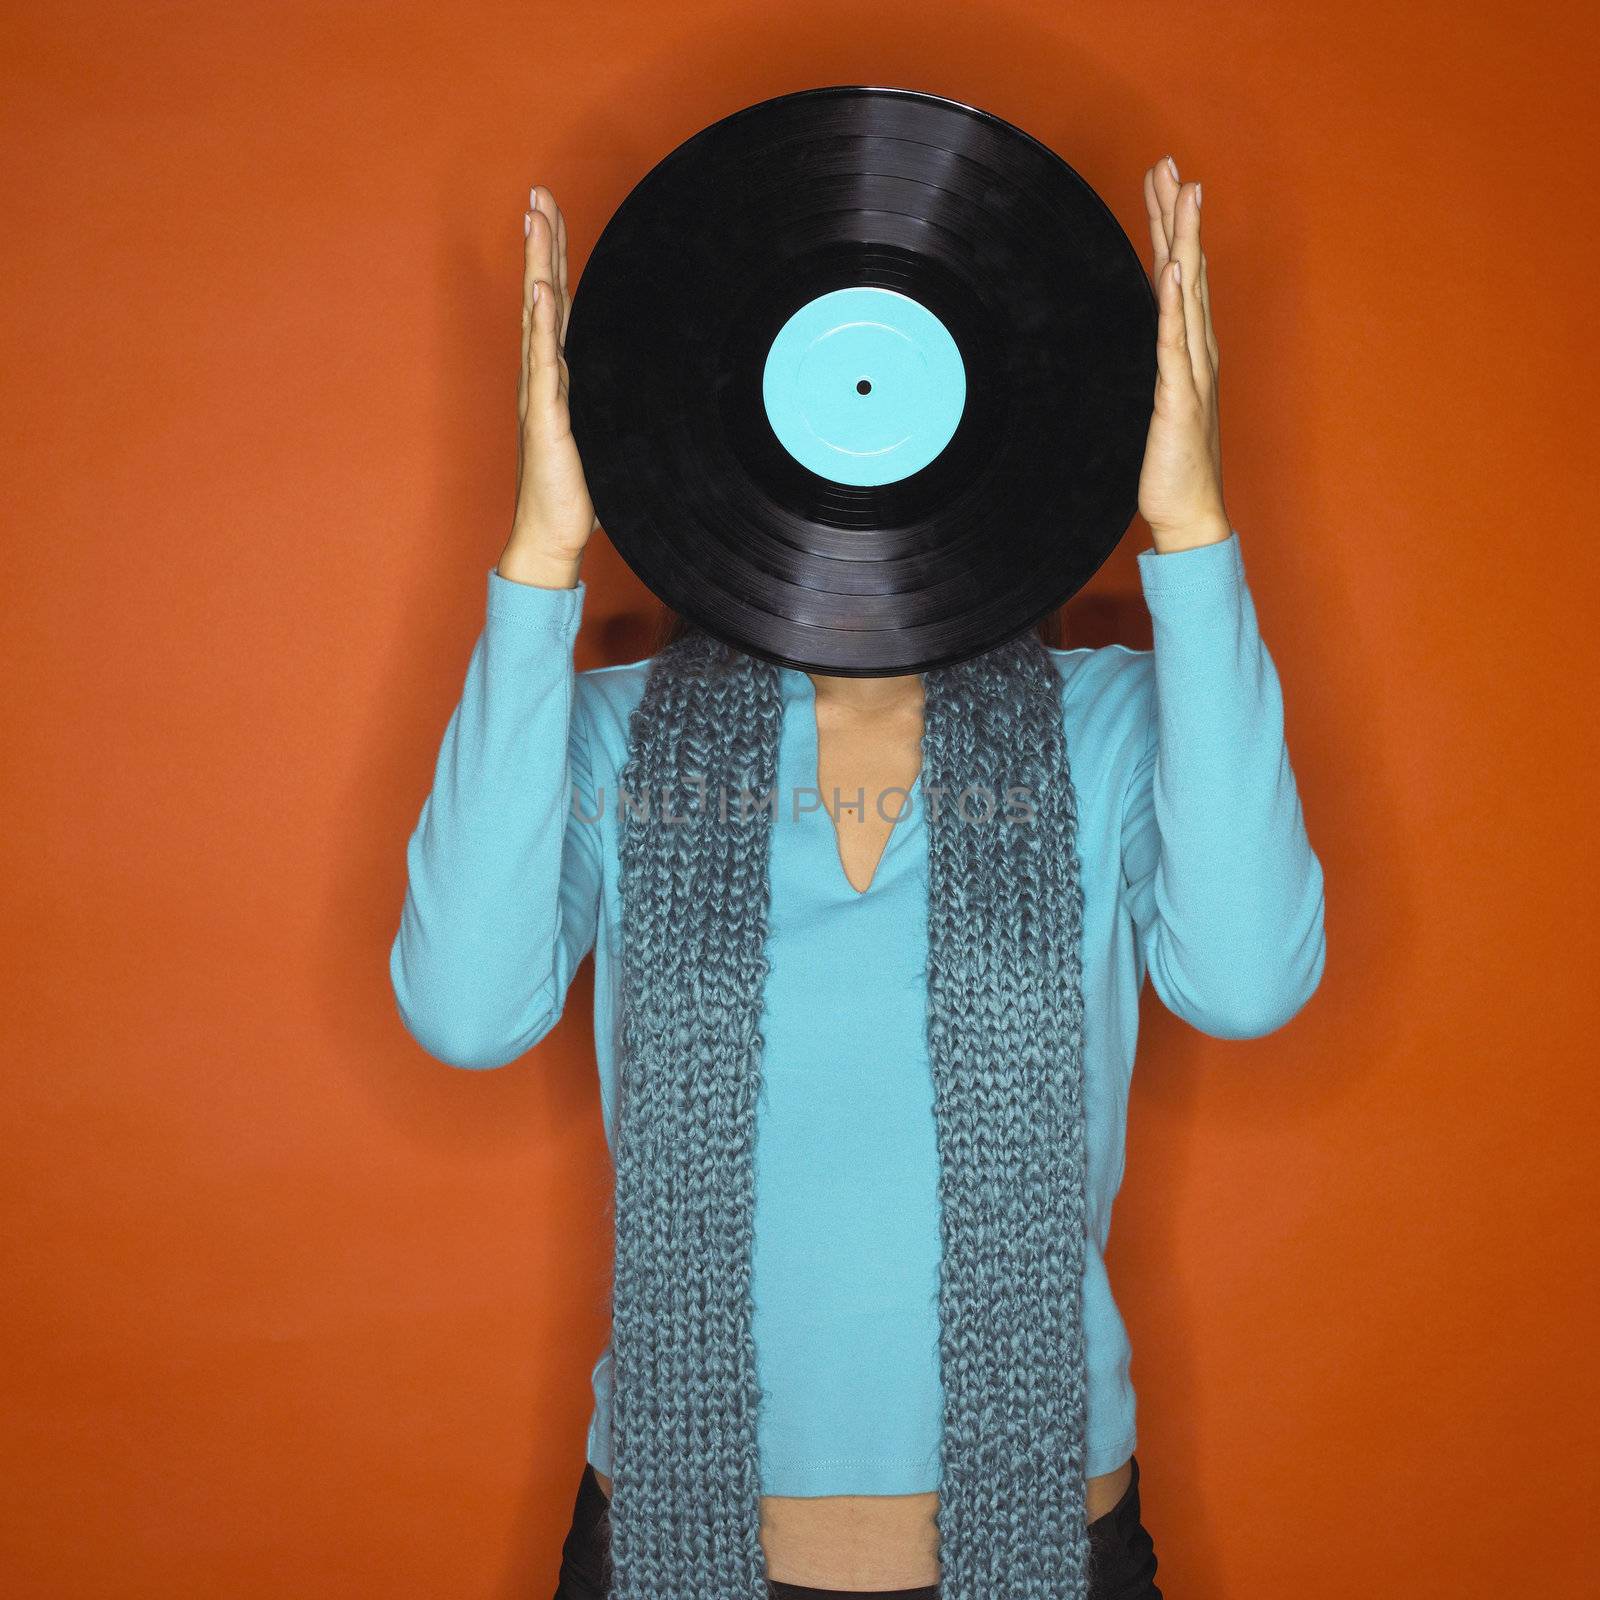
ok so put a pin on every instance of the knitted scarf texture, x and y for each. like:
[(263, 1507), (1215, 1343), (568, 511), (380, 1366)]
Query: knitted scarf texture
[(1005, 1042)]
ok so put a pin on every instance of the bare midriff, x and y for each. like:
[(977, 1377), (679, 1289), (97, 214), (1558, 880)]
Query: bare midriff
[(871, 1541)]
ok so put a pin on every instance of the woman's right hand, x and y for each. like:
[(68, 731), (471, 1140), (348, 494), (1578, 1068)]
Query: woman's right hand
[(554, 514)]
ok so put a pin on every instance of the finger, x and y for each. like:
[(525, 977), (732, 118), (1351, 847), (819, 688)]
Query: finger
[(1174, 368), (1166, 187), (545, 255), (1186, 248), (527, 313), (544, 231), (558, 250), (544, 369), (561, 274), (1205, 303), (1158, 232)]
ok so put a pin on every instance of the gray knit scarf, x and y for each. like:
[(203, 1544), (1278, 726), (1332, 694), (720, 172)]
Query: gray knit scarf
[(1005, 1039)]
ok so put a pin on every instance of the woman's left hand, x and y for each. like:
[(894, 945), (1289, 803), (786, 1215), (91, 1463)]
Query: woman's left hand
[(1180, 483)]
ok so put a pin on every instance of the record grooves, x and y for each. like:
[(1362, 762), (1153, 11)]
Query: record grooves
[(861, 379)]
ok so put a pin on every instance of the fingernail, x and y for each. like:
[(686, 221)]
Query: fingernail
[(536, 293), (1172, 167), (1197, 196), (1177, 273), (527, 223), (533, 198)]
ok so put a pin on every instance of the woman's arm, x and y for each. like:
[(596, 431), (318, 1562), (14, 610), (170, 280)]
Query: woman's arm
[(1224, 888), (503, 877), (1222, 883)]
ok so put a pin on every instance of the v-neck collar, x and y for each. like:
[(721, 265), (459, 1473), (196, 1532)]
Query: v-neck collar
[(800, 703)]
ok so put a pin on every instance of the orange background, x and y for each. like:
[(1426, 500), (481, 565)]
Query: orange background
[(292, 1309)]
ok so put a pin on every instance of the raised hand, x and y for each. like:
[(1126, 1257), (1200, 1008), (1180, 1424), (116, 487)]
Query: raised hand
[(1180, 483), (554, 514)]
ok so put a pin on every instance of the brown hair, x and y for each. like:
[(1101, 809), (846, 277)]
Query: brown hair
[(670, 625)]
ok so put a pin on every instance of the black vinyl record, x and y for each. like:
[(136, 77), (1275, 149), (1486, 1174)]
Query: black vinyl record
[(861, 380)]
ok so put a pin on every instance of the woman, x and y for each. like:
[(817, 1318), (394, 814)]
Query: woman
[(864, 1060)]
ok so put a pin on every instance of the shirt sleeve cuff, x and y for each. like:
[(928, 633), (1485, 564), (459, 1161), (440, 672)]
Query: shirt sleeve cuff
[(528, 605), (1202, 569)]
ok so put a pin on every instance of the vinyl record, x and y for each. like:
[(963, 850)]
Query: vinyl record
[(861, 380)]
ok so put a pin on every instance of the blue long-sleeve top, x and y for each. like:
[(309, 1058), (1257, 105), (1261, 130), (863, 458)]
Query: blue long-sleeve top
[(1195, 866)]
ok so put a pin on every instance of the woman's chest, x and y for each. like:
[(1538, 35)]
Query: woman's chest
[(865, 771)]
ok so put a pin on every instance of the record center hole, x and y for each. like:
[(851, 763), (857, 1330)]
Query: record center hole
[(863, 386)]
